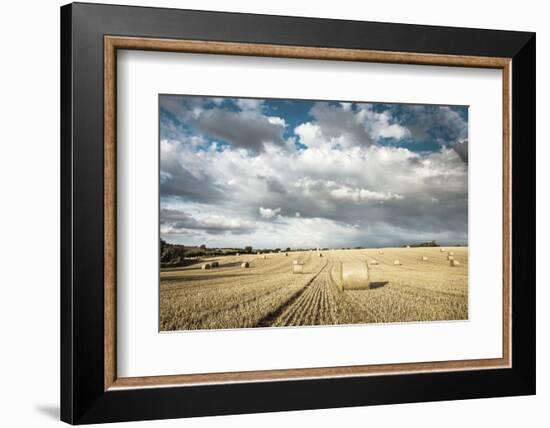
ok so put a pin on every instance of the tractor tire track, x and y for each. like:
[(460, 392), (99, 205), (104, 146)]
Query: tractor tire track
[(268, 320), (312, 306)]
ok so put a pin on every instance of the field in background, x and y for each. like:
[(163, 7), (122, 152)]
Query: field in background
[(268, 294)]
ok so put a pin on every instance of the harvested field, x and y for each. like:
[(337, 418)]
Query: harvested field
[(270, 294)]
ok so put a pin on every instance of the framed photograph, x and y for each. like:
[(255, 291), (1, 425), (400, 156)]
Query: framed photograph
[(266, 213)]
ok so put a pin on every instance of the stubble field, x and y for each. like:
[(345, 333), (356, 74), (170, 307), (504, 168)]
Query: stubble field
[(268, 294)]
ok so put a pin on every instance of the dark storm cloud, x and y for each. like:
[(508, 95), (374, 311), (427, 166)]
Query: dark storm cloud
[(441, 123), (461, 148), (339, 123), (182, 107), (432, 208), (245, 129), (444, 125), (177, 180), (180, 222), (238, 122), (185, 185), (273, 184)]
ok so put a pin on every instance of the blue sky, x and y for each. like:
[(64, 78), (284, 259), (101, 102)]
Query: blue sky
[(299, 173)]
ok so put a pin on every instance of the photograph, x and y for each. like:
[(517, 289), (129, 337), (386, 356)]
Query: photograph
[(290, 212)]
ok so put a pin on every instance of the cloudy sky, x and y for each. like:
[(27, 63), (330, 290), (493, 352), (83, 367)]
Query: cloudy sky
[(294, 173)]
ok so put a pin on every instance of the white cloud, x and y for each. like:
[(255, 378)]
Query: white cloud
[(379, 192), (379, 125), (309, 134), (269, 213), (348, 125), (274, 120), (346, 106), (249, 104), (343, 190), (359, 194)]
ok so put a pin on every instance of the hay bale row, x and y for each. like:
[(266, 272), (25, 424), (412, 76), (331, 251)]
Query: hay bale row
[(355, 276), (210, 265)]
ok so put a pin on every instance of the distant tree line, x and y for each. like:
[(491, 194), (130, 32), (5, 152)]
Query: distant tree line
[(173, 255), (424, 244)]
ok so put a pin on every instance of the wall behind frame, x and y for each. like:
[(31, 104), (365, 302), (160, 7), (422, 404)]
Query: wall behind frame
[(29, 220)]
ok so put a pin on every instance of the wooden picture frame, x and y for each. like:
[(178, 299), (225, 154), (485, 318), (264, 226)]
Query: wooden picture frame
[(91, 390)]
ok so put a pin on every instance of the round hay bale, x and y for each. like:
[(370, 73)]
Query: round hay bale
[(286, 254), (396, 262), (373, 262), (355, 276), (297, 268), (295, 262), (245, 265), (451, 253), (454, 263), (206, 266), (424, 258), (215, 264), (264, 257), (442, 250), (320, 254), (380, 252), (450, 257), (237, 254)]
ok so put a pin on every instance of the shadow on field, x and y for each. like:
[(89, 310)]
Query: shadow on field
[(232, 264), (380, 284)]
